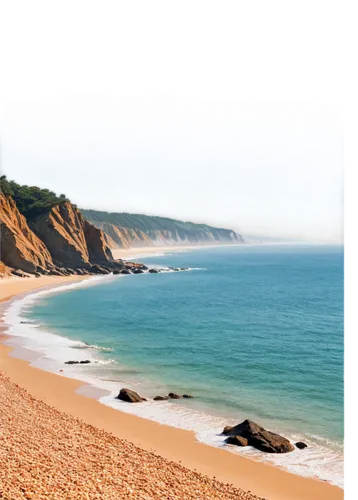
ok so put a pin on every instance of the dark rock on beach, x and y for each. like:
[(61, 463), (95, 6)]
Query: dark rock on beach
[(130, 396), (172, 395), (300, 445), (237, 440), (187, 396), (160, 398), (83, 362), (260, 438)]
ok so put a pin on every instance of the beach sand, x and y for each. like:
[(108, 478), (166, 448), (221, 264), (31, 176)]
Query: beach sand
[(131, 253), (107, 450)]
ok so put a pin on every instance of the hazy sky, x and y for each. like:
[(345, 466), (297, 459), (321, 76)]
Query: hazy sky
[(222, 112)]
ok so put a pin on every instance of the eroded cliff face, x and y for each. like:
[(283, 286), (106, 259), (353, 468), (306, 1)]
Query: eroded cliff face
[(71, 240), (60, 241), (122, 237), (20, 247)]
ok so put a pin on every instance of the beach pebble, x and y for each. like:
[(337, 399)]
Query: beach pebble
[(46, 455)]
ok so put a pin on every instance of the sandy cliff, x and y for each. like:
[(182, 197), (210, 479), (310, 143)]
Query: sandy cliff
[(20, 247), (137, 230), (57, 242), (71, 240)]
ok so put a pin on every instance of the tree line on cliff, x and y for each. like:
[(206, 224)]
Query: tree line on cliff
[(31, 201)]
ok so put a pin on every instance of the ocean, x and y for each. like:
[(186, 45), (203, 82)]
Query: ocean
[(251, 331)]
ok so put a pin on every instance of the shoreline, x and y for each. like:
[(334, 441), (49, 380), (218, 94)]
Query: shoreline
[(177, 445), (142, 252)]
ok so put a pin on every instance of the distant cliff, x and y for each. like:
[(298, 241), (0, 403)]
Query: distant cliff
[(133, 230)]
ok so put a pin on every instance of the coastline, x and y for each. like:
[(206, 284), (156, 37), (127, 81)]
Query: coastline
[(141, 252), (171, 443)]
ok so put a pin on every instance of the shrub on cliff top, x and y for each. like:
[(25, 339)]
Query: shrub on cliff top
[(30, 200)]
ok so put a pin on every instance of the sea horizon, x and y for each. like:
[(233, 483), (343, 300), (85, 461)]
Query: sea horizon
[(114, 366)]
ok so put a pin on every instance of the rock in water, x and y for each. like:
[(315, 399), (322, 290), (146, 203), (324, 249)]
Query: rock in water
[(160, 398), (171, 395), (237, 440), (300, 445), (260, 438), (187, 396), (130, 396), (83, 362)]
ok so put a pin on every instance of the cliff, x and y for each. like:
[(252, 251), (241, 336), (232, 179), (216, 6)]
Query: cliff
[(71, 240), (59, 241), (134, 230), (20, 247), (42, 233)]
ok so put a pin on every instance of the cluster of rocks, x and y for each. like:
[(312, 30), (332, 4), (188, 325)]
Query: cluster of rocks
[(172, 395), (115, 267), (133, 397), (248, 433)]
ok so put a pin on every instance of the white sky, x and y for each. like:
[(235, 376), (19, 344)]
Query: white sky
[(229, 113)]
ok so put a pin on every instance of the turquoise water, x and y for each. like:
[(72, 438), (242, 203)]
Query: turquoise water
[(252, 332)]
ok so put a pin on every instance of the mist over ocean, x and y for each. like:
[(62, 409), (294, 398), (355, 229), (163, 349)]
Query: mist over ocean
[(250, 331)]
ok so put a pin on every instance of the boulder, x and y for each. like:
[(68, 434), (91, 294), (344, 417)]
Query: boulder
[(237, 441), (260, 438), (153, 271), (130, 396), (96, 269), (160, 398), (137, 271), (172, 395), (300, 445), (83, 362), (126, 271), (187, 396), (21, 274)]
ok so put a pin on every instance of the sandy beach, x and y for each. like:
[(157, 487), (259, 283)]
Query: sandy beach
[(131, 253), (65, 445)]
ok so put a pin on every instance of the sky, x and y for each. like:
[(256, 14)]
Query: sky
[(229, 113)]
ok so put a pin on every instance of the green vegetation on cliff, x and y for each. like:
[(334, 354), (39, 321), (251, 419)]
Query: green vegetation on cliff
[(140, 221), (31, 201), (163, 228)]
